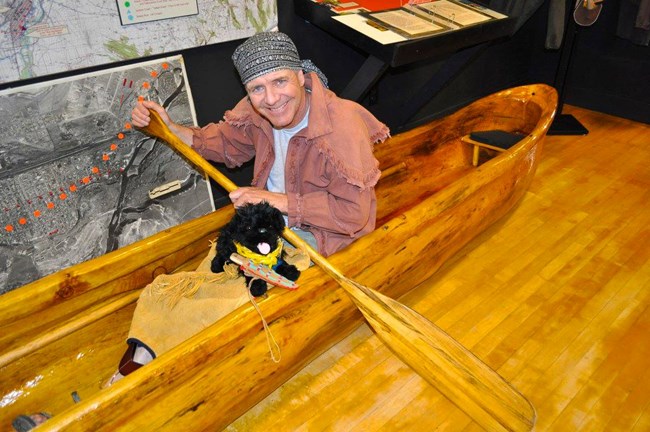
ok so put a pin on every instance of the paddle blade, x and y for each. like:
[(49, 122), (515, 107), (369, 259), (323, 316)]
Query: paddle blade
[(451, 368)]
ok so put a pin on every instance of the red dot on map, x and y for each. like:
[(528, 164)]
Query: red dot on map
[(154, 74), (22, 221), (37, 213), (9, 228), (50, 205), (73, 188), (127, 126), (63, 196), (105, 157), (85, 180), (140, 98), (95, 170), (120, 135), (145, 85), (165, 66), (113, 146)]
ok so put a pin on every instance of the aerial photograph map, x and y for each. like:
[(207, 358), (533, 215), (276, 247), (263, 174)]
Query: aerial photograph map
[(78, 181), (39, 37)]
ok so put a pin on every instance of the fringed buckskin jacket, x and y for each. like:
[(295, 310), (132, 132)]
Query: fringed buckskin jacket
[(330, 171)]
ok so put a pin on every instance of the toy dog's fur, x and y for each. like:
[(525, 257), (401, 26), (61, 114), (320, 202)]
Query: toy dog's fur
[(258, 227)]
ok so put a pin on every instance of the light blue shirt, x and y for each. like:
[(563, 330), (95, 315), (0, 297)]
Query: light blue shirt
[(275, 183), (281, 138)]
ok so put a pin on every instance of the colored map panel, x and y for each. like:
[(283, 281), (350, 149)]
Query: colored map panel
[(77, 181), (42, 37), (139, 11)]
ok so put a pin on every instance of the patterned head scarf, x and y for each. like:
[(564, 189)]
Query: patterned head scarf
[(269, 52)]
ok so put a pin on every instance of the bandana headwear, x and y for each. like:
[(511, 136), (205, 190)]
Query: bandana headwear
[(270, 52)]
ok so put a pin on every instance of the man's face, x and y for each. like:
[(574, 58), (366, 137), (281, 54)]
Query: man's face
[(279, 97)]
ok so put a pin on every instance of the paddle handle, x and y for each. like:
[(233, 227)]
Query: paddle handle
[(157, 128)]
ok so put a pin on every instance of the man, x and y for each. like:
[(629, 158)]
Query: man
[(312, 150)]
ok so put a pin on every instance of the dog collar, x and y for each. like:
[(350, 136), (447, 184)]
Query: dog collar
[(269, 259)]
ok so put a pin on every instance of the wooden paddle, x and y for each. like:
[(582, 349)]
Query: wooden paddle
[(457, 373)]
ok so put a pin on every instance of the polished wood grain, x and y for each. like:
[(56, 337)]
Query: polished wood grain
[(215, 376), (555, 297)]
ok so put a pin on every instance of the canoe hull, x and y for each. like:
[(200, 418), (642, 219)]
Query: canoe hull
[(214, 377)]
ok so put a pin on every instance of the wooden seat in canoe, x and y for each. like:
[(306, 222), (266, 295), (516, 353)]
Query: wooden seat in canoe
[(496, 140)]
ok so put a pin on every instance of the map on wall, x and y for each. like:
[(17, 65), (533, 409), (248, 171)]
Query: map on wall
[(78, 181), (40, 37)]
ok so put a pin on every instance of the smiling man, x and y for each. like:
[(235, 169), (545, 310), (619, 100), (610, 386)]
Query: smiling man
[(279, 97), (312, 149)]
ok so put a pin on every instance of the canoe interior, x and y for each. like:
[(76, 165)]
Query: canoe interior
[(66, 332)]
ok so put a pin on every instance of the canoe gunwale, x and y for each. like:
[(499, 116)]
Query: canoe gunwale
[(75, 282)]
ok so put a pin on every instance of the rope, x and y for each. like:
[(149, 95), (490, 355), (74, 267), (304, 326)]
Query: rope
[(270, 340)]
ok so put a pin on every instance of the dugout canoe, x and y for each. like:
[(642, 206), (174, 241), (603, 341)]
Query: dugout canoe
[(66, 332)]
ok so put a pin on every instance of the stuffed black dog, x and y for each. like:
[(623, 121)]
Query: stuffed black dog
[(254, 232)]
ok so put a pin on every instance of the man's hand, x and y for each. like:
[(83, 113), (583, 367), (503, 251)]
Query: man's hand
[(140, 117), (245, 195), (140, 113)]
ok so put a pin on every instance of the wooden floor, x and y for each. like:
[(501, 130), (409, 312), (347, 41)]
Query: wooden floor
[(555, 298)]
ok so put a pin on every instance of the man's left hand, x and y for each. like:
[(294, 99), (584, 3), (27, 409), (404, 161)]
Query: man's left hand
[(253, 195)]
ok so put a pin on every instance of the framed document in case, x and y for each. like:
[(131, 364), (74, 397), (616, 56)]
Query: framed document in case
[(405, 23), (454, 12)]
